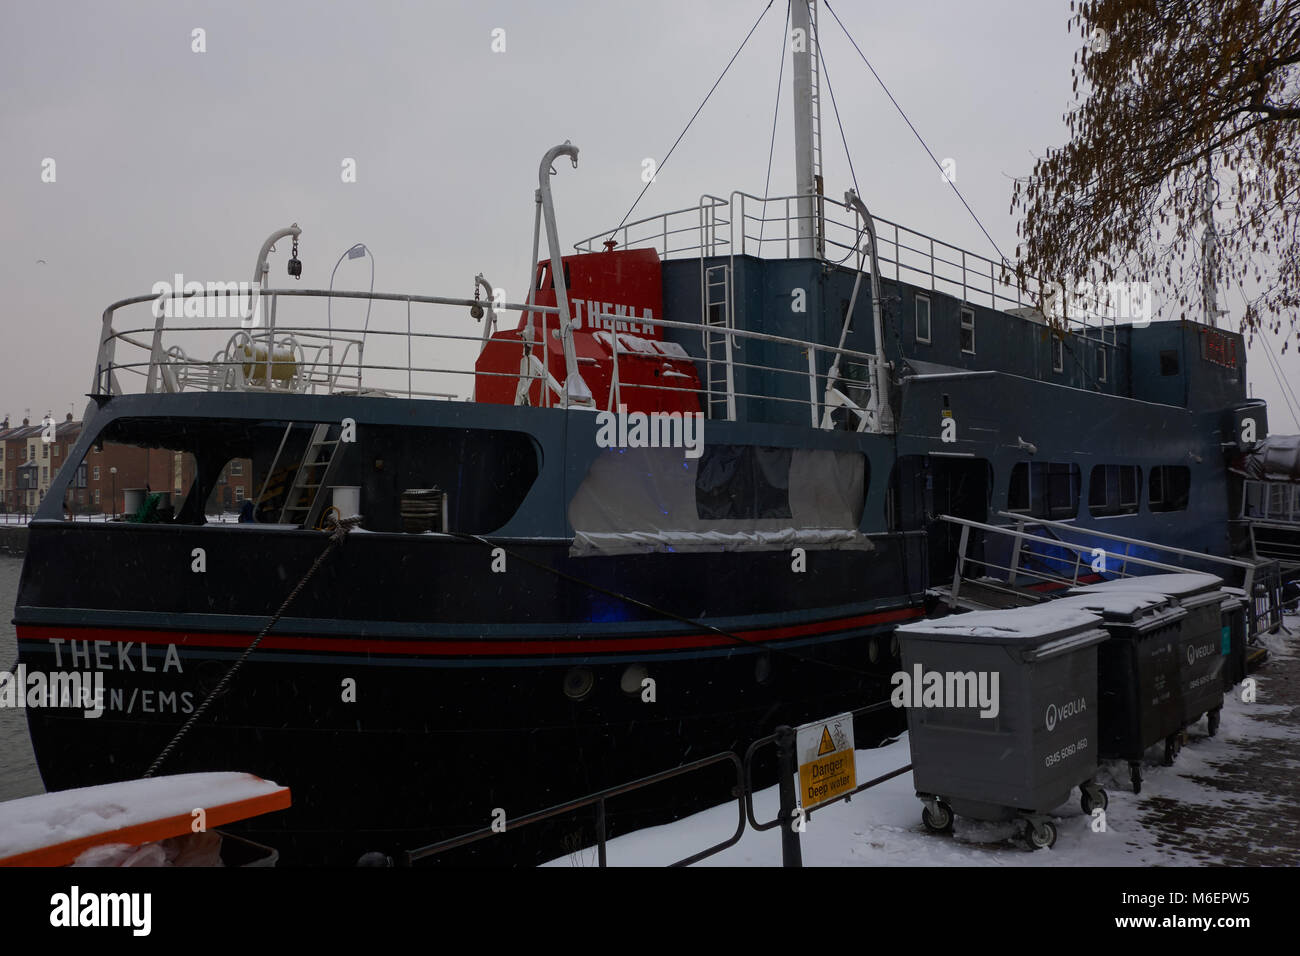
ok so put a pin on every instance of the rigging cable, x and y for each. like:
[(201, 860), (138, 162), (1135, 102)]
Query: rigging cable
[(776, 112), (340, 529), (821, 53), (919, 138), (661, 165), (1275, 365)]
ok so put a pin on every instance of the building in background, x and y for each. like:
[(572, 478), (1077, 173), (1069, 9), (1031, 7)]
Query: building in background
[(32, 455)]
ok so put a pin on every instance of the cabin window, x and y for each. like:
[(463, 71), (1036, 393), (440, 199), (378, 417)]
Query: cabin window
[(1169, 362), (743, 481), (1044, 489), (1058, 354), (1170, 488), (1101, 363), (968, 331), (1113, 490), (922, 319)]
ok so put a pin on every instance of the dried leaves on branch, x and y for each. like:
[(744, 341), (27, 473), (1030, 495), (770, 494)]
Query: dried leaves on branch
[(1160, 86)]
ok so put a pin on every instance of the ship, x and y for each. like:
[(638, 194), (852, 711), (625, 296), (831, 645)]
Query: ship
[(706, 469)]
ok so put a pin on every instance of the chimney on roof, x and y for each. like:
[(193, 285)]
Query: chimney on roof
[(27, 421), (69, 417)]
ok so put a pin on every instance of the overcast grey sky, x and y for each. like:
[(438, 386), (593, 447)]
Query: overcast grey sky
[(174, 161)]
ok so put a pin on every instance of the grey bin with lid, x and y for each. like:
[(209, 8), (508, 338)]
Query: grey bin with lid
[(1201, 652), (1137, 673), (1042, 743)]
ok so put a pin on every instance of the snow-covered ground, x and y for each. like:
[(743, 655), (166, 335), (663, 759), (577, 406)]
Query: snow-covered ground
[(882, 826)]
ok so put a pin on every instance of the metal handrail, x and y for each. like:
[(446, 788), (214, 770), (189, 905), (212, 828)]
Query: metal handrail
[(914, 255), (316, 367), (1021, 520), (1079, 549), (598, 800)]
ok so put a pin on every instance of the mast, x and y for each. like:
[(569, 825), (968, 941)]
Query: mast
[(807, 127), (1210, 251)]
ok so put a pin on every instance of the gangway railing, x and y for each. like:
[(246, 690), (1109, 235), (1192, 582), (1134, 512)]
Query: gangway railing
[(1015, 568), (1260, 579)]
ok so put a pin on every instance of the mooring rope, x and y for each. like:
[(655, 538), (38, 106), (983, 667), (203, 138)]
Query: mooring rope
[(340, 529)]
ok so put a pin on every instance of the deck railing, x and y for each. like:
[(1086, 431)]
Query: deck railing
[(417, 347), (769, 227)]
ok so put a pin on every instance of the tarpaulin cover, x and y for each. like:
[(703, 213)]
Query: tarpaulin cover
[(1276, 458), (732, 498)]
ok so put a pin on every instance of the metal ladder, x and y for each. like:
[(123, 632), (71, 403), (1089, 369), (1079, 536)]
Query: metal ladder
[(716, 323), (320, 461)]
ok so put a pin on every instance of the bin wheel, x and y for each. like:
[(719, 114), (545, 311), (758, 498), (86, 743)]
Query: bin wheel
[(1212, 721), (1135, 776), (1171, 749), (1093, 798), (939, 821), (1041, 835)]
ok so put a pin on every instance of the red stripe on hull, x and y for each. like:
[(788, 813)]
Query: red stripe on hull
[(465, 647)]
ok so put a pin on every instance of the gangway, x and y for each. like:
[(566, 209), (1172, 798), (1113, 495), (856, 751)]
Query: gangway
[(1271, 513), (982, 582)]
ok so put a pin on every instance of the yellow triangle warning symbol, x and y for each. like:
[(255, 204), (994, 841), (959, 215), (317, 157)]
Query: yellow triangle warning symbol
[(827, 745)]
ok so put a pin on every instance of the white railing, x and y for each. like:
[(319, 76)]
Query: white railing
[(409, 348), (1273, 501), (769, 228)]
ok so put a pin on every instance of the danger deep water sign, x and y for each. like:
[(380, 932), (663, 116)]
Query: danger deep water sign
[(826, 767)]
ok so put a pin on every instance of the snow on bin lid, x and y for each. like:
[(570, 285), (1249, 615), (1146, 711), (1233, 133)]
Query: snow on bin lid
[(1037, 624), (1117, 603), (1175, 585), (53, 829)]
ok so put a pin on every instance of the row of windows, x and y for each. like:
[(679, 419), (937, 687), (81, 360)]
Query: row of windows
[(966, 334), (1049, 489)]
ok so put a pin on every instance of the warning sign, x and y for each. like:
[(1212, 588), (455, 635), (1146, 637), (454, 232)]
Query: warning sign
[(826, 767)]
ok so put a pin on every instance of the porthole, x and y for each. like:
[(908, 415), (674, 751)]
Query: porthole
[(578, 683)]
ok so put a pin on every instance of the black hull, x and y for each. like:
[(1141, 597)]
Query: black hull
[(444, 732)]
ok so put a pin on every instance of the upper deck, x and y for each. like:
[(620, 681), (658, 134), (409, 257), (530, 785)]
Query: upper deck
[(762, 327)]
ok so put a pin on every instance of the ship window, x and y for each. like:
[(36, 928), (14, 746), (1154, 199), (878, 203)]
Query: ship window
[(922, 319), (1113, 490), (743, 481), (1169, 362), (968, 331), (1101, 363), (1058, 354), (1170, 488), (1044, 489)]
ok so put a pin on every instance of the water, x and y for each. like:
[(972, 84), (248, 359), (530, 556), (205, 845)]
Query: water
[(18, 774)]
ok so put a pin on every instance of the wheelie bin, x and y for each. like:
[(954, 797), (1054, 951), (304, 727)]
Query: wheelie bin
[(1137, 673), (1021, 757)]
